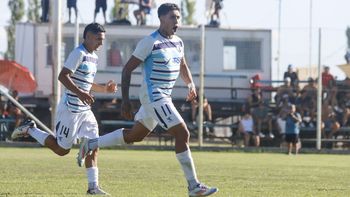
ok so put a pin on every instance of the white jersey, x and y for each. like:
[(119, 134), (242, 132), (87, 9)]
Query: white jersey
[(161, 65), (84, 66)]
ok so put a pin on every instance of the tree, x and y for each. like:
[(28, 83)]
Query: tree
[(17, 13), (33, 11), (115, 12), (188, 8)]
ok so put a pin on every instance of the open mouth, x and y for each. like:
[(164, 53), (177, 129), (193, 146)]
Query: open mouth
[(175, 28)]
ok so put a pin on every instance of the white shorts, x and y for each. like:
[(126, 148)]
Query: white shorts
[(162, 112), (71, 126)]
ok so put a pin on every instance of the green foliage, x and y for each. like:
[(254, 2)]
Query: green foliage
[(190, 7), (117, 6), (33, 11), (17, 13), (128, 173)]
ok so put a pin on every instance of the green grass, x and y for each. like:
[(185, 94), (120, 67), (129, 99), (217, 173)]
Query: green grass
[(38, 172)]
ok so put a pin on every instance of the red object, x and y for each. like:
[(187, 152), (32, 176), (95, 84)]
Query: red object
[(16, 77), (254, 82)]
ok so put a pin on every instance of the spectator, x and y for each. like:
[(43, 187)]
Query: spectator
[(215, 16), (255, 98), (342, 109), (329, 121), (114, 55), (285, 91), (206, 110), (293, 120), (294, 79), (245, 127), (327, 78), (144, 9), (45, 7), (72, 4), (100, 4), (283, 111), (262, 117), (14, 111), (306, 103), (347, 56)]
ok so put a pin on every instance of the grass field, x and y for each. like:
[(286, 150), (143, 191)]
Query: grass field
[(38, 172)]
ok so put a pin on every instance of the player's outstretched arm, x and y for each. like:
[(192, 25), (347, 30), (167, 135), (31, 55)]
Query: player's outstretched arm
[(109, 87)]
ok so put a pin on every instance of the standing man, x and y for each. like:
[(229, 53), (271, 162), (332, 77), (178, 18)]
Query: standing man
[(161, 56), (74, 116), (72, 4), (100, 4)]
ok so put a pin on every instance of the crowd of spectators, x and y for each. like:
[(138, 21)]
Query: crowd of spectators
[(271, 118)]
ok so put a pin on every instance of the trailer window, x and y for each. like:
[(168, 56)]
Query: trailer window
[(242, 55)]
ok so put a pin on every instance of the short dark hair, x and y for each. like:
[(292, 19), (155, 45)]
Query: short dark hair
[(94, 28), (167, 7)]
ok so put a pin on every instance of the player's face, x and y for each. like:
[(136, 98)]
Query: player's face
[(170, 22), (95, 41)]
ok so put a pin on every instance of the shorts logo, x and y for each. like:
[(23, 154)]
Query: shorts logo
[(169, 119)]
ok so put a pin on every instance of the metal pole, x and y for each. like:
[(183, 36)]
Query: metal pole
[(24, 110), (310, 40), (319, 94), (201, 89), (279, 39), (57, 27), (76, 35)]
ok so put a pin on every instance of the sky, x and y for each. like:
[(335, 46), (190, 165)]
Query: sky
[(297, 45)]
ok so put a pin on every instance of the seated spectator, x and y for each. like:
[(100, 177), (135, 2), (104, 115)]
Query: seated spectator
[(100, 4), (262, 117), (114, 55), (255, 98), (246, 128), (206, 110), (285, 91), (329, 120), (294, 78), (283, 111), (293, 120), (306, 103), (14, 111), (144, 9)]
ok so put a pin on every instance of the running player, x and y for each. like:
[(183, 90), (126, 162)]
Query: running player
[(74, 117), (161, 55)]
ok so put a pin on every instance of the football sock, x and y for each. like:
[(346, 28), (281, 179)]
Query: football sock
[(92, 176), (186, 161), (38, 134), (110, 139)]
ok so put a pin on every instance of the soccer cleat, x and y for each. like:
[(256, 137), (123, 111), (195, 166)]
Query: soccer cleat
[(202, 190), (83, 151), (97, 191), (22, 131)]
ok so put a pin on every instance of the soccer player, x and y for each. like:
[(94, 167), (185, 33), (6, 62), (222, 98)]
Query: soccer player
[(161, 55), (74, 116)]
